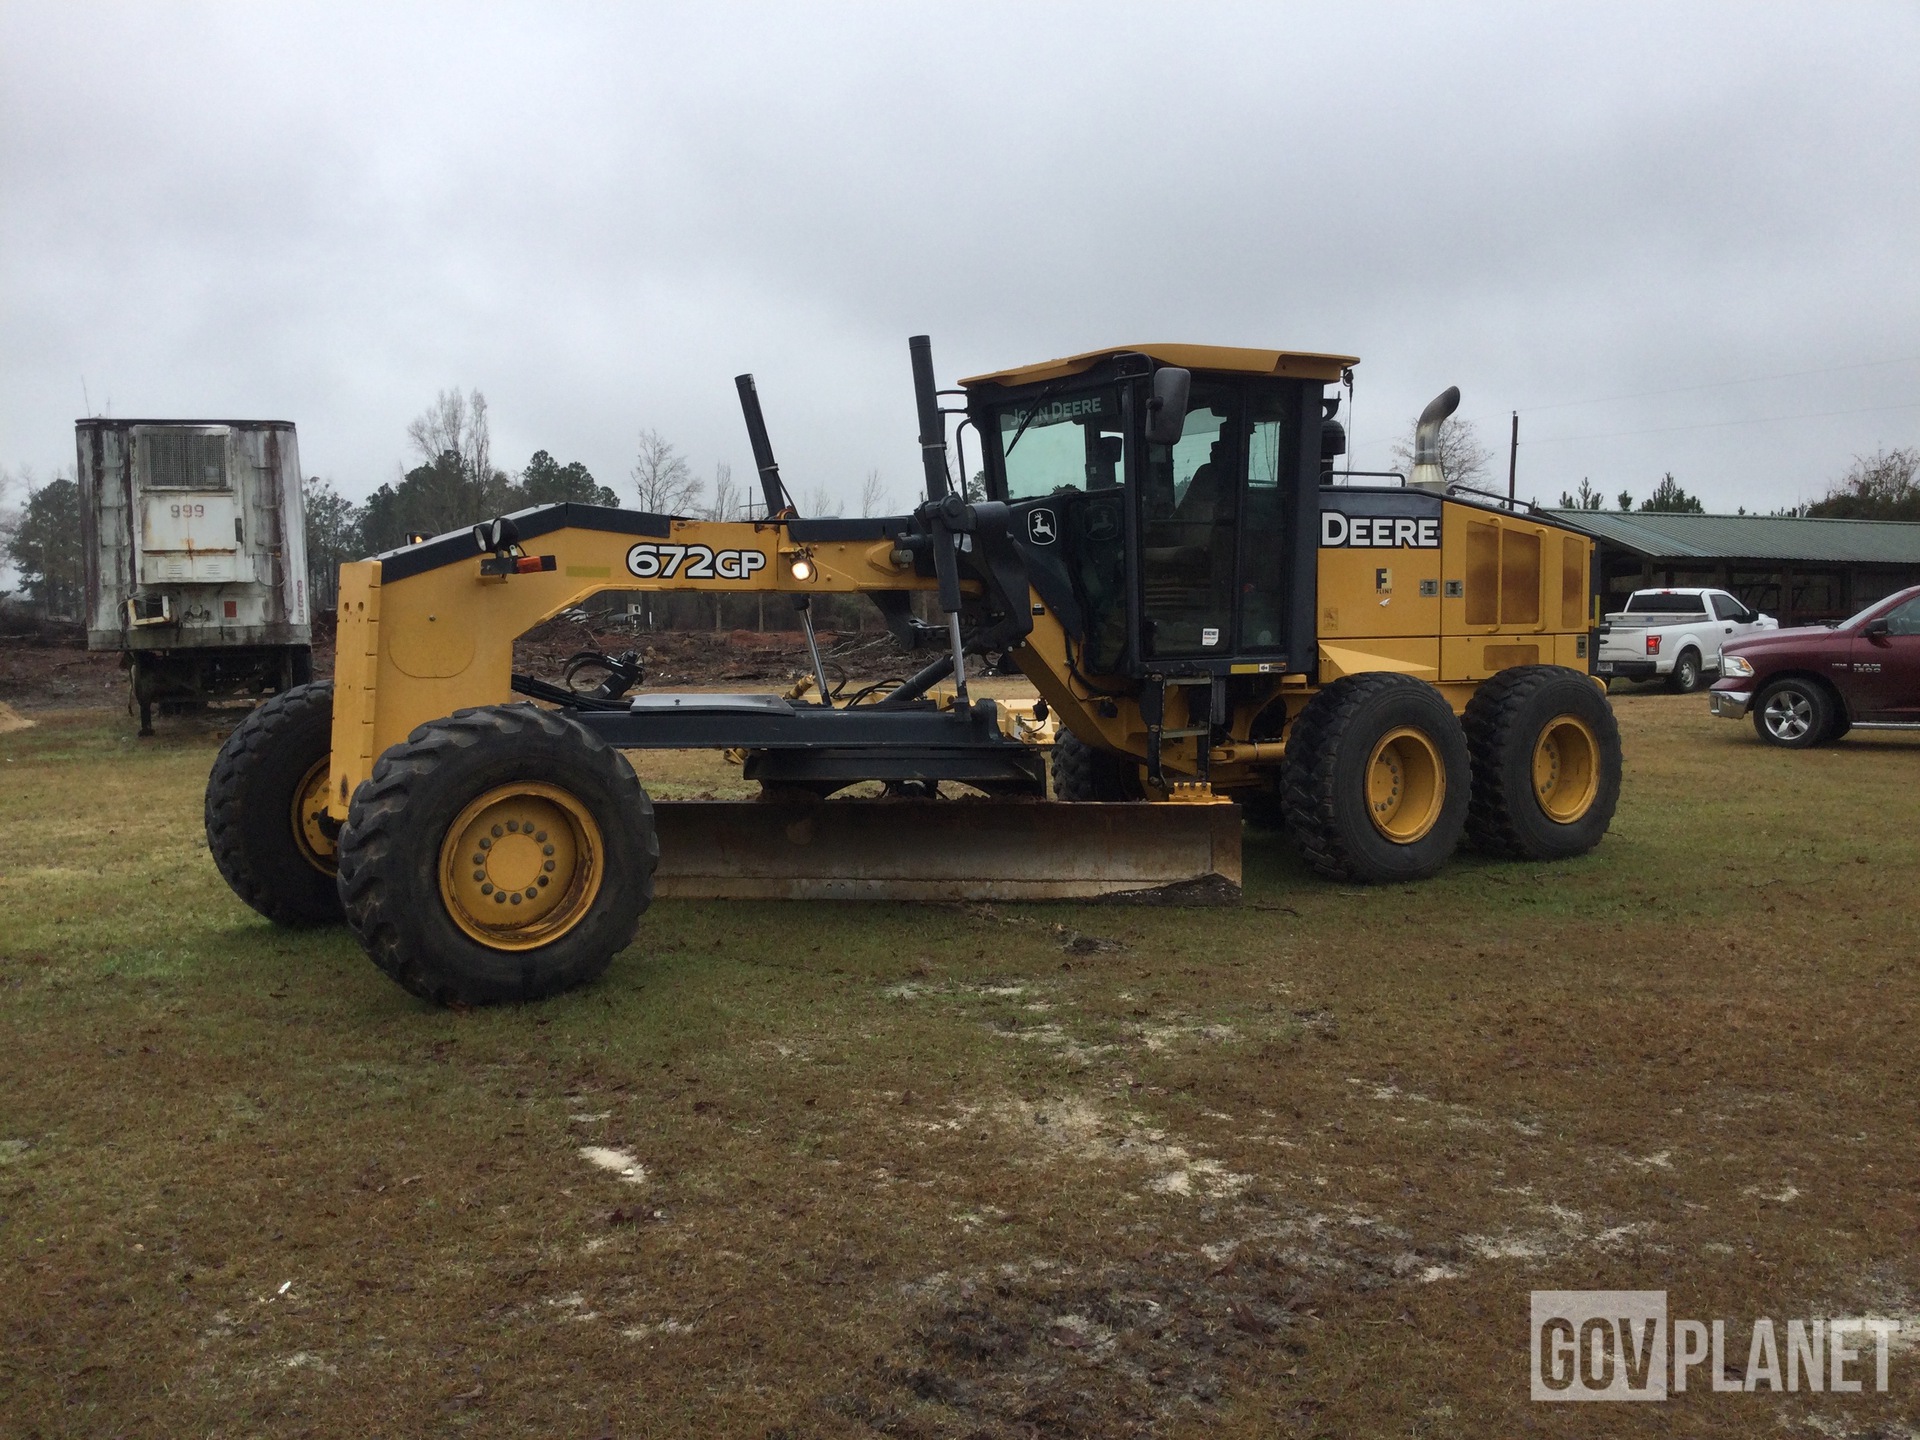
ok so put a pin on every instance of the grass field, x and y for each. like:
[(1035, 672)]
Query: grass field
[(1290, 1169)]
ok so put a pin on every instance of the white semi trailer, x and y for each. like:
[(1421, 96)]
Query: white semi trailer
[(196, 557)]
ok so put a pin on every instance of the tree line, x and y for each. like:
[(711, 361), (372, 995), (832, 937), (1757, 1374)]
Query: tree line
[(1882, 486), (455, 483)]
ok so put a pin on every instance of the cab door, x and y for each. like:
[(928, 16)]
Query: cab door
[(1731, 620), (1886, 666), (1189, 513)]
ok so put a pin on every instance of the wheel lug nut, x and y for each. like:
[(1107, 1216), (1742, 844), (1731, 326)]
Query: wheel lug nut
[(486, 889)]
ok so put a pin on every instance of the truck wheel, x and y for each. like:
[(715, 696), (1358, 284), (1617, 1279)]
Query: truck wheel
[(1081, 772), (1376, 779), (1686, 673), (266, 808), (1795, 713), (499, 854), (1546, 764)]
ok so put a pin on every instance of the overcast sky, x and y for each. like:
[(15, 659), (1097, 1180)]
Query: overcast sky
[(598, 215)]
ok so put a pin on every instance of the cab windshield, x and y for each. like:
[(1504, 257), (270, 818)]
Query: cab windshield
[(1063, 440), (1860, 617)]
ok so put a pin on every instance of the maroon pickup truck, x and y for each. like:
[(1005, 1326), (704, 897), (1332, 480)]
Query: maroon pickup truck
[(1811, 685)]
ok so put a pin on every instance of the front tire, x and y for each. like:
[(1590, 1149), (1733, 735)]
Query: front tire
[(1376, 780), (1546, 764), (266, 808), (499, 854), (1795, 714)]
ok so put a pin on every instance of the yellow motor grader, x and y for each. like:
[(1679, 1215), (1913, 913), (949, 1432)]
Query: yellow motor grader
[(1214, 624)]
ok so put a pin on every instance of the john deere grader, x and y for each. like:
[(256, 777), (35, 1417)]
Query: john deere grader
[(1213, 625)]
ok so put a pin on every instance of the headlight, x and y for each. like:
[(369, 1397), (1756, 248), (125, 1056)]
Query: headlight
[(802, 568), (1735, 665)]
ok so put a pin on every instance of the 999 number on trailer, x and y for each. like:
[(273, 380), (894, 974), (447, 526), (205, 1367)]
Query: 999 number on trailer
[(693, 562)]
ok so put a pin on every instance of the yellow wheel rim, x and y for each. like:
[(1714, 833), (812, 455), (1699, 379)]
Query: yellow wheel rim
[(1566, 768), (1406, 785), (311, 832), (521, 866)]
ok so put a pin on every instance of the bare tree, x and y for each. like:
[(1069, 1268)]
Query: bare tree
[(726, 495), (1881, 486), (1463, 459), (456, 423), (873, 495), (821, 504), (455, 427), (665, 482)]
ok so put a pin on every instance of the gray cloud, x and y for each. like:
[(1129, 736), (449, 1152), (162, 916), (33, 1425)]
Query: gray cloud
[(599, 215)]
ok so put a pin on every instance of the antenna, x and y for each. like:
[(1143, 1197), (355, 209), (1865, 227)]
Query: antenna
[(86, 399)]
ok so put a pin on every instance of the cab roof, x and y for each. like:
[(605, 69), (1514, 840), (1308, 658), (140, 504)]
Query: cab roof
[(1233, 359)]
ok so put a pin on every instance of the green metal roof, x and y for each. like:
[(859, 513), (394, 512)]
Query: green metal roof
[(1749, 537)]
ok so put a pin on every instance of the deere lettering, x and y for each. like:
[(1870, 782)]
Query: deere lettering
[(1379, 532), (1080, 407), (693, 562)]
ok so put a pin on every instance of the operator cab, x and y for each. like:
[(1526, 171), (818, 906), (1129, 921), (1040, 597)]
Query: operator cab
[(1166, 544)]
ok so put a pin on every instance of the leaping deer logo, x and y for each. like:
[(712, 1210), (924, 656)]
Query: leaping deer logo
[(1040, 527)]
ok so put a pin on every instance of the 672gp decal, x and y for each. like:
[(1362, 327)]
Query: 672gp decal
[(693, 562)]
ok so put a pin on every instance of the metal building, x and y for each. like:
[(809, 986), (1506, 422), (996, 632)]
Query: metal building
[(196, 556), (1804, 571)]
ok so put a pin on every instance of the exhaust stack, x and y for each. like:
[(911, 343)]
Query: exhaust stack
[(1427, 471)]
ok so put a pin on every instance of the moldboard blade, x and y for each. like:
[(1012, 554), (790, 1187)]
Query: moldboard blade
[(1168, 854)]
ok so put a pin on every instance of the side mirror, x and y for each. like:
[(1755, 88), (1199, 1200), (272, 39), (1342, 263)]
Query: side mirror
[(1876, 628), (1167, 410)]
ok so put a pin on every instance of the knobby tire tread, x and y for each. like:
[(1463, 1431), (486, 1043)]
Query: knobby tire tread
[(1309, 782), (245, 865), (375, 833), (1491, 722)]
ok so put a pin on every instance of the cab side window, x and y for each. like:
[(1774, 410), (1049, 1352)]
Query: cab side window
[(1905, 619), (1725, 607)]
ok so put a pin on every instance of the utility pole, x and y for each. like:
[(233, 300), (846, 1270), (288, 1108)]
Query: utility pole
[(1513, 457)]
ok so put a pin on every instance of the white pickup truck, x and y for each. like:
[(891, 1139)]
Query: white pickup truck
[(1675, 633)]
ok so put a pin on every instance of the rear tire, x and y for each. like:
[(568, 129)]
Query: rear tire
[(1081, 772), (266, 809), (1546, 764), (1377, 779), (1686, 673), (1795, 714), (460, 904)]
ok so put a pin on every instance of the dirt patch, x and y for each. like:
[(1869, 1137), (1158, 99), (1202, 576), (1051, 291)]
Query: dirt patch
[(1115, 1348)]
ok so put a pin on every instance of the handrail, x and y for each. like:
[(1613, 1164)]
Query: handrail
[(1376, 474)]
